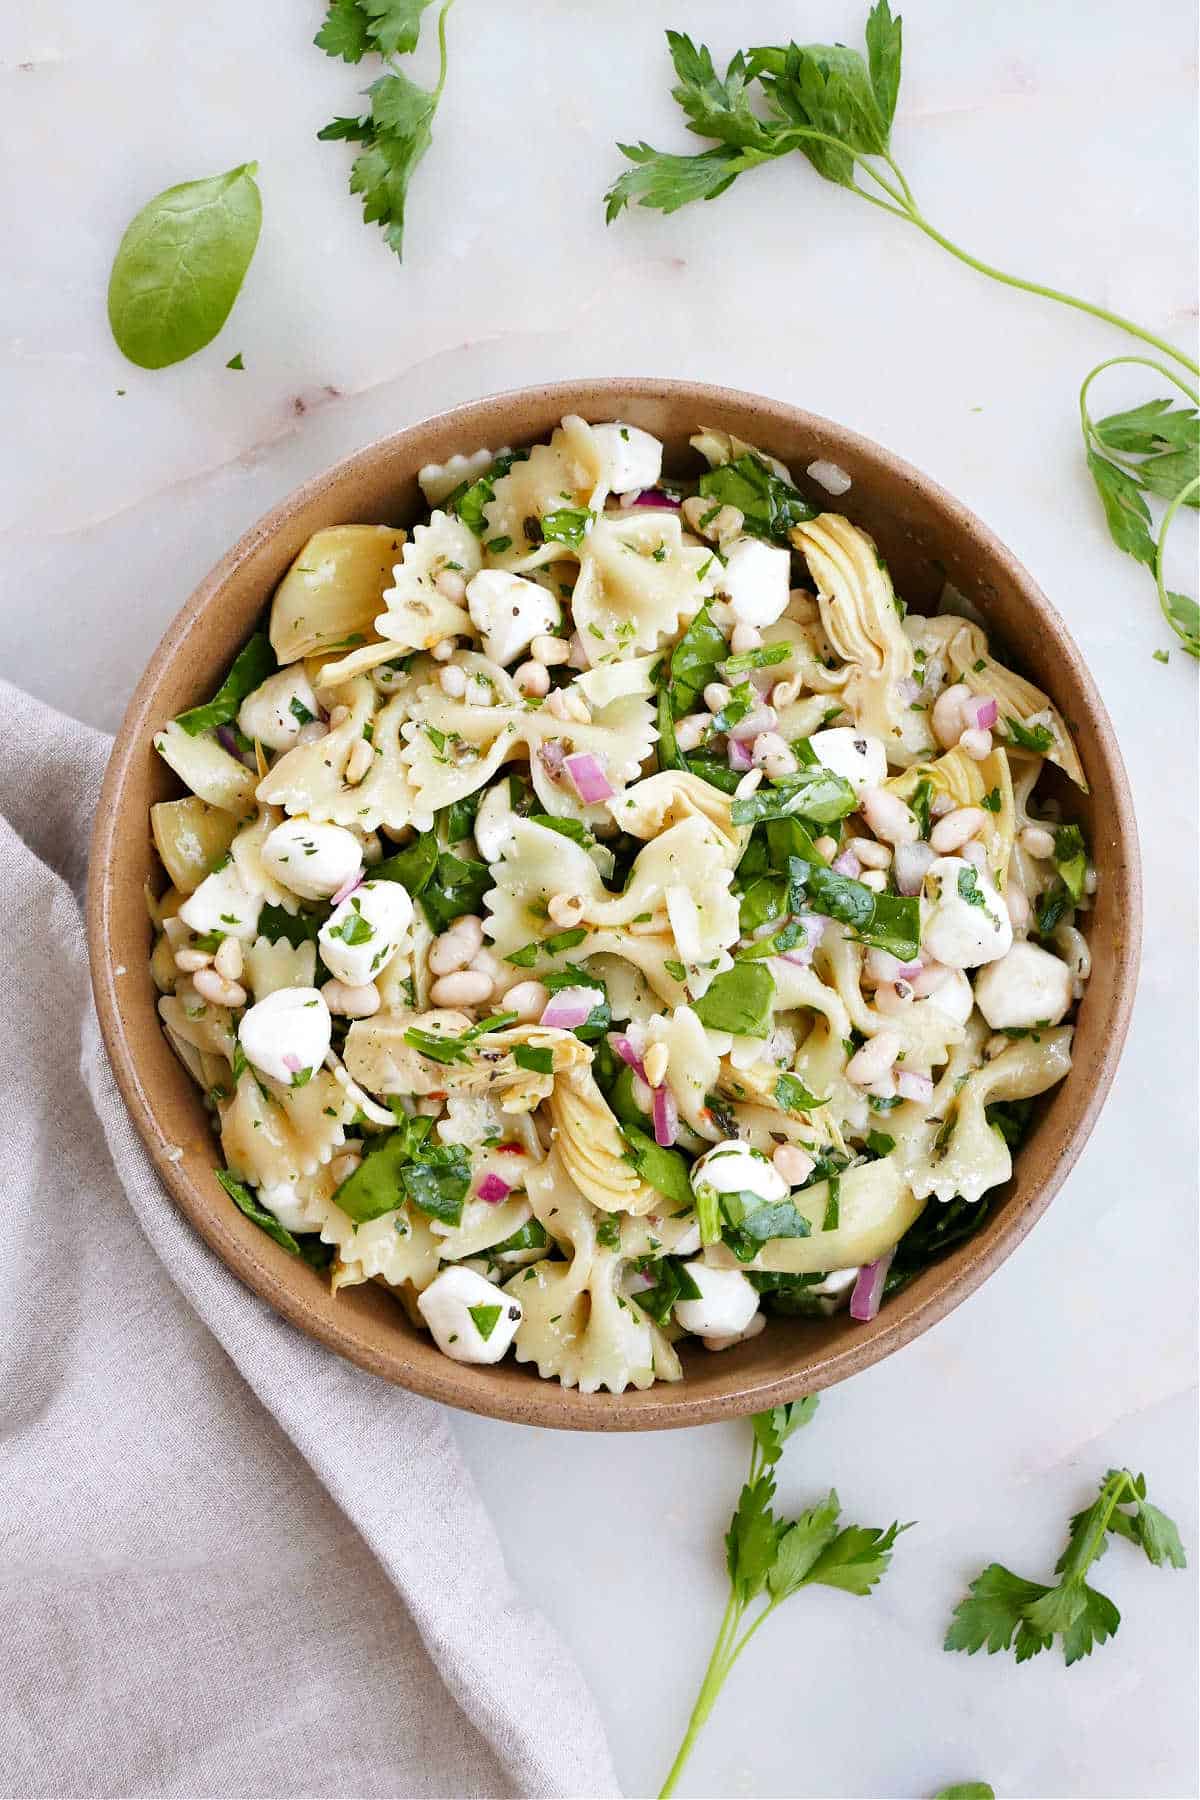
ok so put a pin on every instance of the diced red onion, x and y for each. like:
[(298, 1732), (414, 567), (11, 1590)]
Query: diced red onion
[(847, 864), (740, 758), (568, 1008), (801, 956), (552, 756), (588, 778), (913, 1086), (640, 1280), (666, 1116), (228, 741), (656, 497), (981, 711), (760, 718), (909, 865), (814, 927), (625, 1050), (493, 1188), (348, 887), (291, 1063), (868, 1289)]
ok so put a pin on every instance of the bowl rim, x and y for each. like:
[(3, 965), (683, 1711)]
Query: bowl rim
[(546, 1403)]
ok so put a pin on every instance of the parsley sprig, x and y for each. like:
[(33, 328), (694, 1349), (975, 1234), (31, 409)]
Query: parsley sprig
[(398, 129), (769, 1559), (1003, 1611)]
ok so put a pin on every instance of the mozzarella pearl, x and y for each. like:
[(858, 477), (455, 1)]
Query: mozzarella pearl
[(362, 935), (633, 459), (275, 712), (958, 931), (223, 903), (726, 1305), (293, 1213), (445, 1305), (509, 612), (287, 1034), (756, 578), (1026, 987), (855, 755), (310, 860), (734, 1167)]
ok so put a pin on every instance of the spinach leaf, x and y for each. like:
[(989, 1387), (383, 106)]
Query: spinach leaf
[(460, 817), (739, 1000), (665, 1170), (695, 662), (750, 1222), (298, 928), (244, 1200), (769, 505), (412, 867), (792, 1095), (456, 887), (375, 1188), (814, 792), (672, 1282), (437, 1180), (180, 266), (890, 922), (250, 668)]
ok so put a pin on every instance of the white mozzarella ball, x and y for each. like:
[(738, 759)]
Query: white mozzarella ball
[(277, 712), (310, 860), (726, 1305), (855, 755), (293, 1213), (954, 997), (471, 1319), (756, 579), (734, 1167), (494, 823), (222, 903), (1026, 987), (286, 1035), (361, 936), (633, 457), (967, 922), (689, 1243), (509, 612)]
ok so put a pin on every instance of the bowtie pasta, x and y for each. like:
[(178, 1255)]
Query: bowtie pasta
[(602, 914)]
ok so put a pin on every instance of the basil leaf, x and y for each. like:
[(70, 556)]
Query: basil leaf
[(767, 657), (665, 1170), (567, 525), (764, 900), (245, 1202), (750, 1222), (919, 803), (485, 1319), (253, 663), (739, 1000), (460, 818), (412, 867), (539, 1060), (715, 770), (456, 887), (374, 1188), (530, 1236), (769, 505), (180, 266), (790, 837)]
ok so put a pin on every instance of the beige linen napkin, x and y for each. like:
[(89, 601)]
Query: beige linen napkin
[(232, 1564)]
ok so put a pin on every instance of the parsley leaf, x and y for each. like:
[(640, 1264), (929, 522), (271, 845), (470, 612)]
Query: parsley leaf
[(485, 1319), (455, 887)]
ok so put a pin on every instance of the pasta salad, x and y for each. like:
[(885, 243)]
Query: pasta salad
[(604, 915)]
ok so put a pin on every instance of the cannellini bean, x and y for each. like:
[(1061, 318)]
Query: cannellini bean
[(528, 1000), (451, 586), (793, 1163), (443, 650), (455, 948), (191, 961), (1037, 842), (342, 1167), (211, 986), (359, 761), (745, 637), (888, 817), (352, 1002), (769, 744), (974, 852), (715, 696), (875, 879), (870, 854), (976, 743), (1017, 902), (947, 716), (466, 987), (826, 846), (485, 962), (565, 909), (228, 960), (655, 1063), (533, 680), (877, 1055), (550, 650), (952, 832), (776, 767), (453, 681), (691, 731)]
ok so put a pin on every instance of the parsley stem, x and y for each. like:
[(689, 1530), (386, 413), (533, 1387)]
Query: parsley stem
[(710, 1687), (441, 32)]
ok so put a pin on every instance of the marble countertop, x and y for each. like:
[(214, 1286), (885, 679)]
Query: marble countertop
[(1051, 141)]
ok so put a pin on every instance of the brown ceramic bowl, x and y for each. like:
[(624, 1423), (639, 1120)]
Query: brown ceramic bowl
[(926, 538)]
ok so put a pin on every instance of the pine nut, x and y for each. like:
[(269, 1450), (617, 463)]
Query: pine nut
[(957, 828), (190, 961), (359, 761), (453, 681), (691, 731), (1037, 842), (550, 650), (794, 1164), (888, 817), (228, 960), (565, 909), (342, 1167), (874, 1059), (466, 987), (745, 637), (211, 986), (749, 783), (533, 680), (715, 696), (443, 650), (455, 948), (947, 715), (352, 1002), (826, 846), (655, 1063), (875, 879), (977, 744), (529, 1000), (450, 585), (870, 854)]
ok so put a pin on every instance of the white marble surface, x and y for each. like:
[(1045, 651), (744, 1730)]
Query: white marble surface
[(1053, 138)]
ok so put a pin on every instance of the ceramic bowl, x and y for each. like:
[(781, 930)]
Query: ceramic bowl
[(927, 538)]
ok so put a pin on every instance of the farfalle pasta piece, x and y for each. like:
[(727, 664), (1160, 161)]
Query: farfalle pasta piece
[(246, 852), (639, 583), (969, 783), (926, 1033), (858, 611), (593, 1149), (439, 480), (693, 1066), (417, 615), (329, 597), (876, 1206), (1018, 699), (821, 1055), (567, 474), (267, 967), (651, 806), (311, 778), (272, 1135)]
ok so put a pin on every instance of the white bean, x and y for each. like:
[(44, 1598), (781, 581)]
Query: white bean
[(826, 846), (974, 852), (211, 986), (894, 997), (876, 1056), (977, 744), (888, 817), (715, 696), (228, 960), (1037, 842), (533, 680), (528, 1000), (466, 987), (875, 879), (793, 1163), (352, 1002), (947, 717), (479, 693), (870, 854), (191, 961), (952, 832), (769, 744), (455, 948), (775, 768), (453, 681)]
